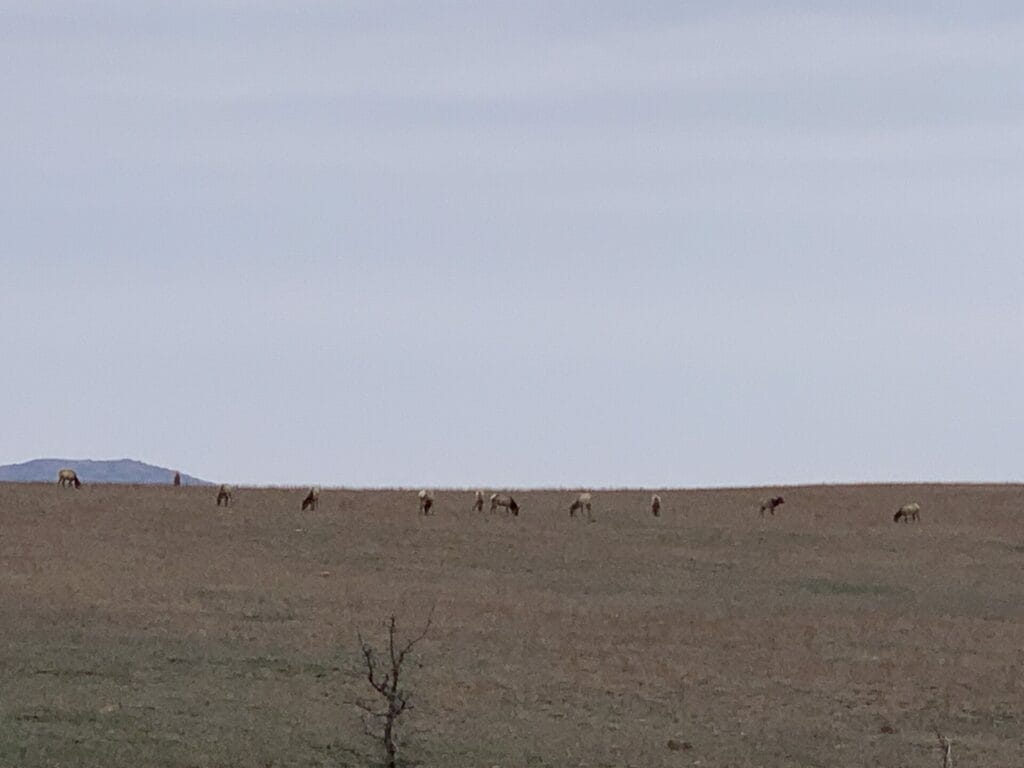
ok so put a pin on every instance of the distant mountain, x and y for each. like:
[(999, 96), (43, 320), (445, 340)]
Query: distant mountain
[(89, 471)]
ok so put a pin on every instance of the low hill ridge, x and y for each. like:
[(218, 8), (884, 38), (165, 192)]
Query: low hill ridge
[(92, 471)]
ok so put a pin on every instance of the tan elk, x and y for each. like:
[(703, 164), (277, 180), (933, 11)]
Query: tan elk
[(225, 494), (426, 501), (656, 505), (908, 512), (582, 502), (478, 502), (312, 499), (506, 501), (68, 478)]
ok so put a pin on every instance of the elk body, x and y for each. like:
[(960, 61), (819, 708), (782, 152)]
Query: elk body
[(224, 494), (583, 501), (506, 501), (908, 512), (426, 501), (312, 499), (68, 478), (770, 504)]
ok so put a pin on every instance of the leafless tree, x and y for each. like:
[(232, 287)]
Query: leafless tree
[(383, 673), (947, 749)]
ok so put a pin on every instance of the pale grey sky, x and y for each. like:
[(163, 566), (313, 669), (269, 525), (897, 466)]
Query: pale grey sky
[(532, 243)]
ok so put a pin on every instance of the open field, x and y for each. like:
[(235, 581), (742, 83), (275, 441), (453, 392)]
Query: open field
[(142, 626)]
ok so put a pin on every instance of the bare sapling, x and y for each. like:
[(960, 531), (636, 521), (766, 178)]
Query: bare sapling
[(947, 749), (384, 674)]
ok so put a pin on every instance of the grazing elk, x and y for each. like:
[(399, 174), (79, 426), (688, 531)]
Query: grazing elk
[(771, 504), (426, 501), (478, 502), (68, 478), (656, 505), (224, 494), (177, 479), (312, 499), (506, 501), (908, 512), (582, 502)]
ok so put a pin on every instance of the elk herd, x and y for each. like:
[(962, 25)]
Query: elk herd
[(582, 503)]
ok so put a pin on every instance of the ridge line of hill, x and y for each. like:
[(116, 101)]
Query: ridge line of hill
[(127, 471)]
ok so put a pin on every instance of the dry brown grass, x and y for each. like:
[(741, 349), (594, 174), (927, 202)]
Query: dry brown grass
[(142, 626)]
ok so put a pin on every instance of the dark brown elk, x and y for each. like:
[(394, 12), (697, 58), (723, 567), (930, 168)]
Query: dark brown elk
[(312, 499), (770, 504), (224, 494)]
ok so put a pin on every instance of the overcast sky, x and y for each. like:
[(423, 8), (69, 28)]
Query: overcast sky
[(508, 244)]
